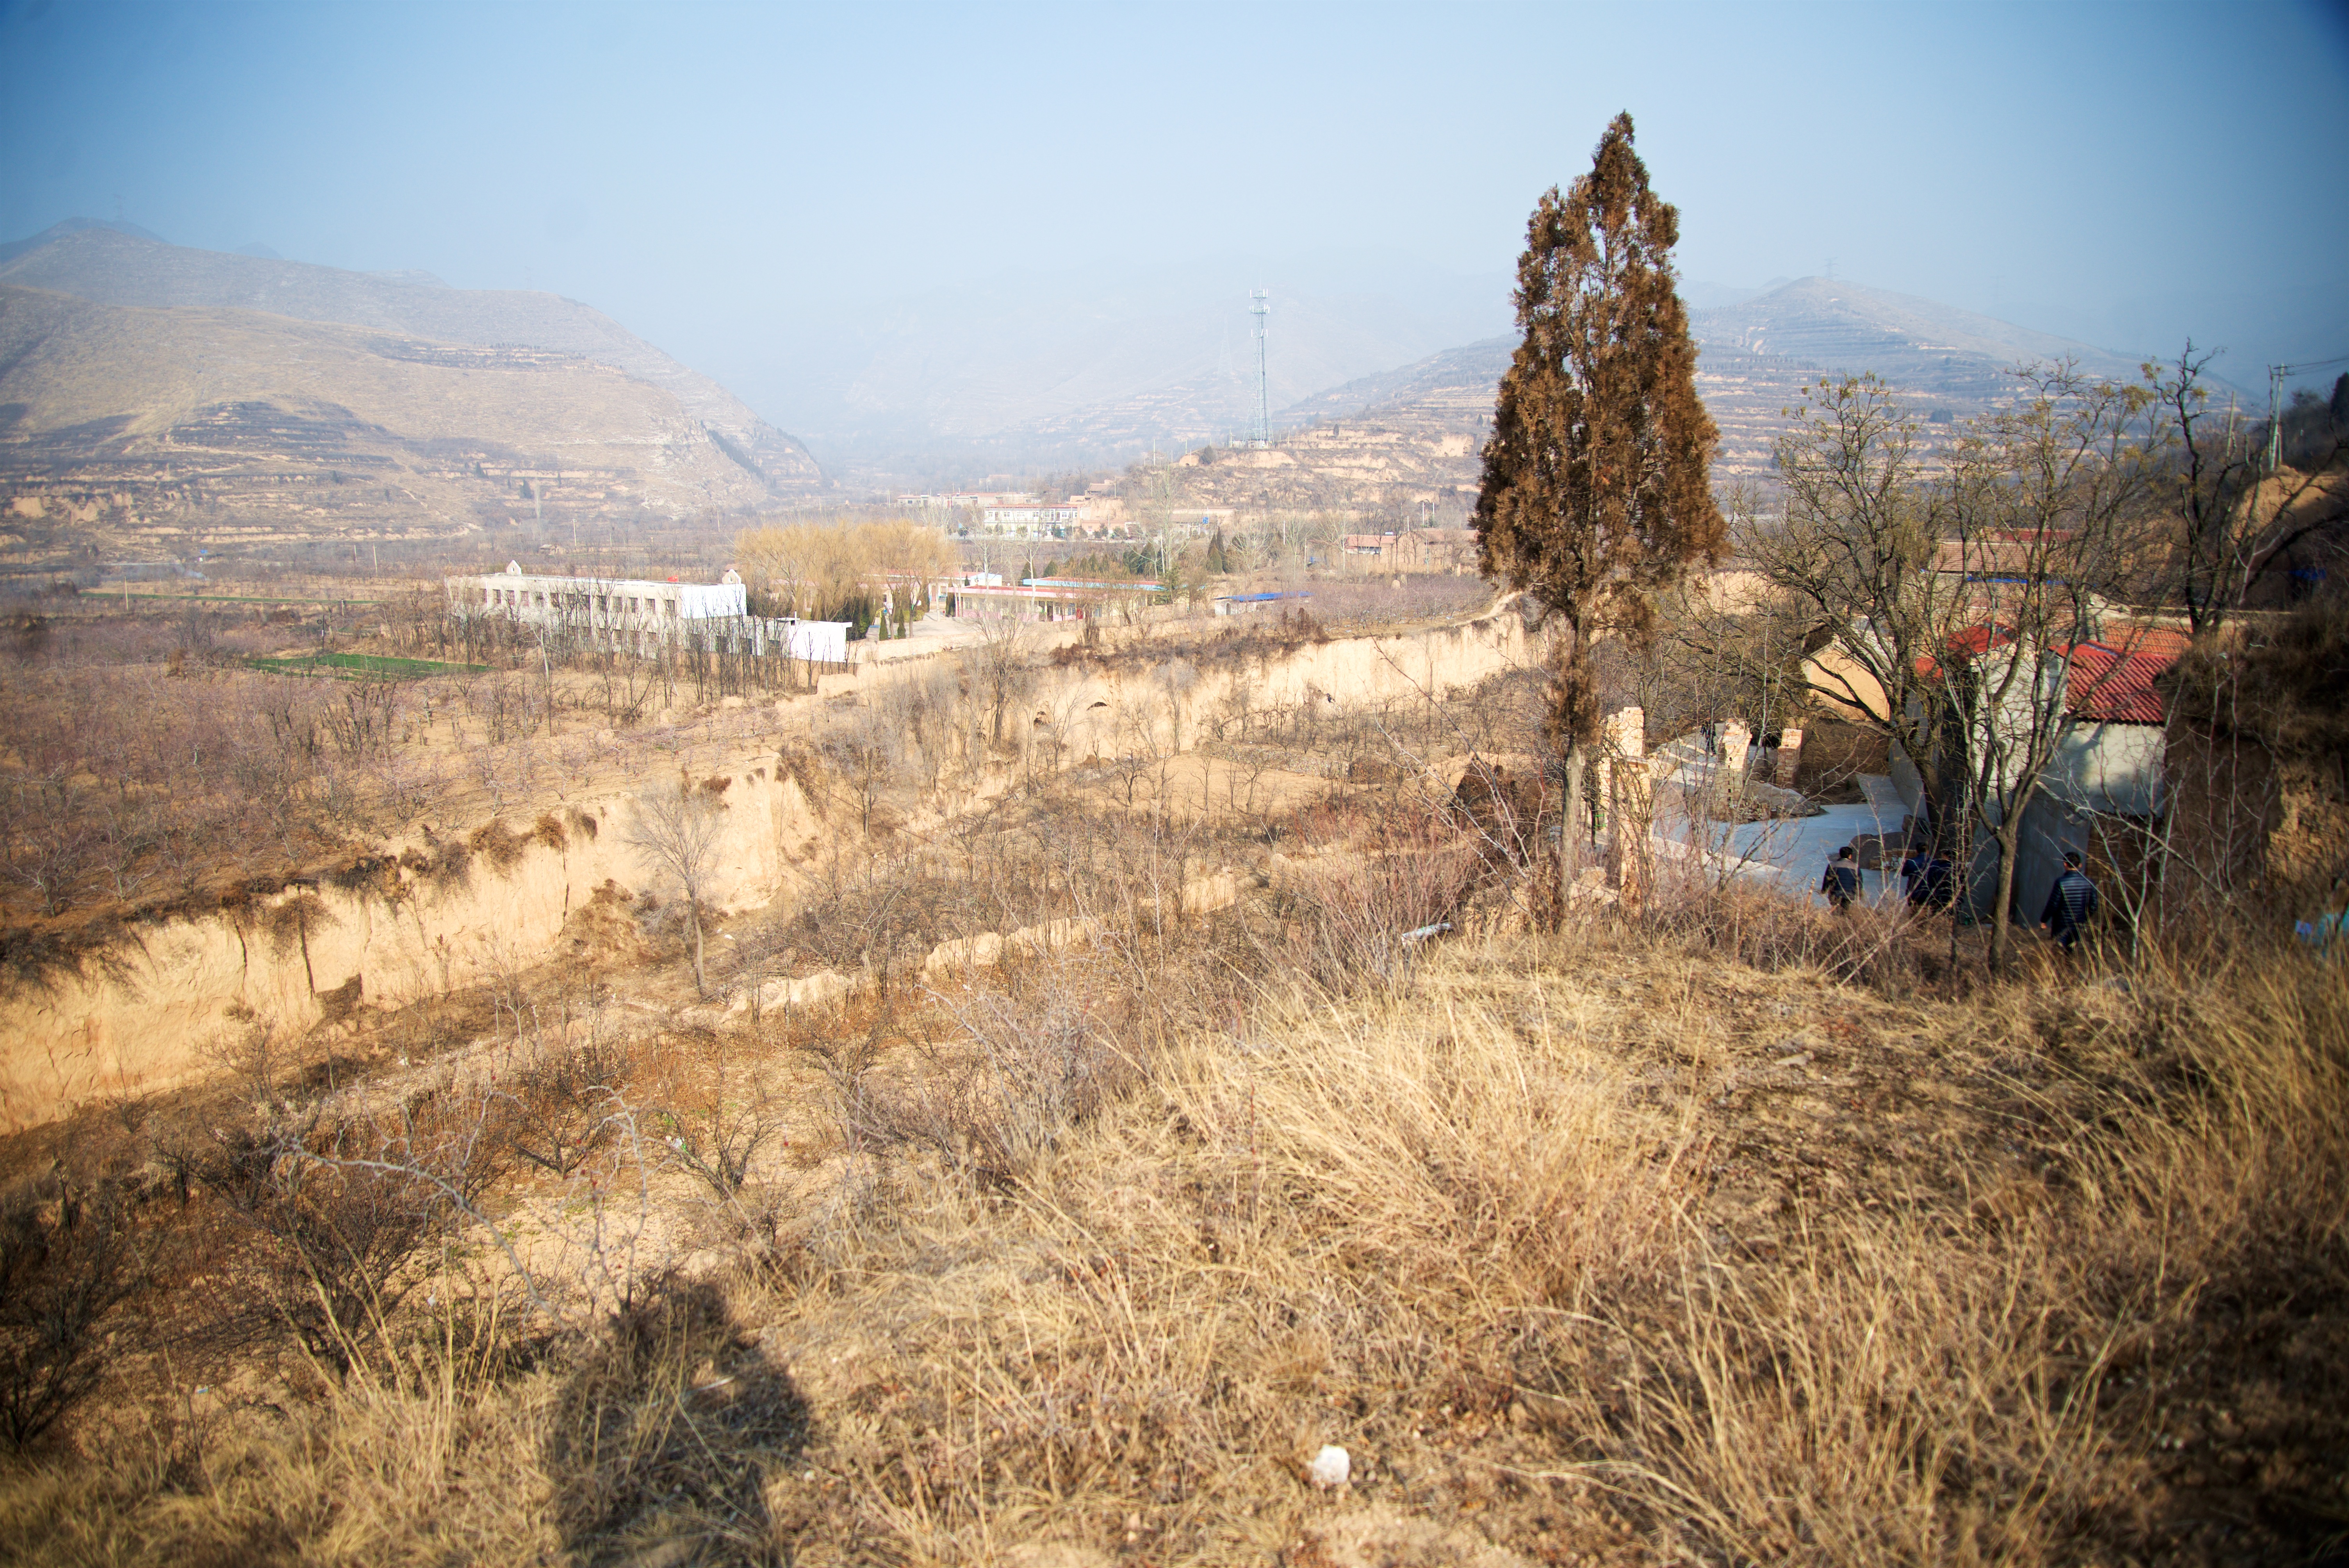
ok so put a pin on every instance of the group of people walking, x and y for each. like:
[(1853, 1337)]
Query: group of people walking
[(1925, 875), (1928, 879)]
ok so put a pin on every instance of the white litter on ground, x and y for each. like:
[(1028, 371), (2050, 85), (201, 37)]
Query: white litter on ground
[(1331, 1468)]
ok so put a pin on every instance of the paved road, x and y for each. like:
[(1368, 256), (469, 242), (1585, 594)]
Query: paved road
[(1792, 854)]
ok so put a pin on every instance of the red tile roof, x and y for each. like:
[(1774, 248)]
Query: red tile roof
[(1980, 639), (2111, 681), (1972, 642), (2114, 686), (2153, 641)]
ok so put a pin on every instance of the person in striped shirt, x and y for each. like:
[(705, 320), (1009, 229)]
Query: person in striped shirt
[(2071, 904)]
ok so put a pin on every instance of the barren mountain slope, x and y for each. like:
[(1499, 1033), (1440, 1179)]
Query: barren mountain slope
[(128, 429), (1391, 441), (1845, 326), (113, 268)]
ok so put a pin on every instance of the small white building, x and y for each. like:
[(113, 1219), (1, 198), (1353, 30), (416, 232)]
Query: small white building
[(821, 642), (2102, 792), (1036, 514), (641, 613), (625, 603)]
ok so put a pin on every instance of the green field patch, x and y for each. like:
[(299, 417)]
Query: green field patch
[(104, 594), (353, 666)]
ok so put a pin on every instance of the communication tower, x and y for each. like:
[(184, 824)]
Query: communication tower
[(1260, 306)]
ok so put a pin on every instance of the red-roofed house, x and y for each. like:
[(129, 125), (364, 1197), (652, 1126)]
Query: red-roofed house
[(2107, 770)]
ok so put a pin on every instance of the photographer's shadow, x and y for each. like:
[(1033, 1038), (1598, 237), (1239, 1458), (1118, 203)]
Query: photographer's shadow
[(665, 1434)]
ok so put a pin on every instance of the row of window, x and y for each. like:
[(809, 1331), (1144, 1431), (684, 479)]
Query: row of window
[(610, 603)]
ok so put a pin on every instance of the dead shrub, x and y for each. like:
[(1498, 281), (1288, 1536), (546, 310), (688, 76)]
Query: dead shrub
[(719, 1118), (377, 874), (336, 1208), (1027, 1062), (1376, 890), (498, 844), (287, 924), (559, 1105), (34, 960), (447, 863)]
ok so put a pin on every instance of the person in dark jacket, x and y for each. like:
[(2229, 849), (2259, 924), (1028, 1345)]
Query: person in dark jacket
[(2071, 904), (1927, 874), (1841, 883)]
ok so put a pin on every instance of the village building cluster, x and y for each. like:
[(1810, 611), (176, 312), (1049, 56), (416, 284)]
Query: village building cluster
[(1416, 548), (1098, 513)]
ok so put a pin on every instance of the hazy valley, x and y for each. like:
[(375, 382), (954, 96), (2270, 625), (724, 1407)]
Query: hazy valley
[(196, 400), (1185, 1062)]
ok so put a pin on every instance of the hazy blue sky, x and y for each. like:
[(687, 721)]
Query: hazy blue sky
[(725, 180)]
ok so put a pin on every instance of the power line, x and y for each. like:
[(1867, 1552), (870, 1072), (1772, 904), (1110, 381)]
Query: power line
[(2276, 376)]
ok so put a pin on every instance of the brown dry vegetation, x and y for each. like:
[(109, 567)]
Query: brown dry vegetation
[(1739, 1234), (1596, 1245), (156, 767)]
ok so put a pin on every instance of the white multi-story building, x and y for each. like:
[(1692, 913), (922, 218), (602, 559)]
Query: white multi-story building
[(616, 602), (638, 613), (963, 501), (1036, 514)]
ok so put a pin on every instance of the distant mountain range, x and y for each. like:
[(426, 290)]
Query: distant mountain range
[(147, 386), (1755, 358), (1089, 366), (114, 265), (1406, 442), (56, 232), (160, 399), (1834, 324), (1092, 374)]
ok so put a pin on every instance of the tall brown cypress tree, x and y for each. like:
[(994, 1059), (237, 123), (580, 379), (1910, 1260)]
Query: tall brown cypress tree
[(1595, 491)]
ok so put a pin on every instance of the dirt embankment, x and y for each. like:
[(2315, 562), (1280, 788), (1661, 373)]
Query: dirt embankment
[(424, 917), (429, 914), (1166, 694)]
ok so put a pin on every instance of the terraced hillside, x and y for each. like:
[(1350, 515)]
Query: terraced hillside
[(138, 432), (108, 266), (1389, 442)]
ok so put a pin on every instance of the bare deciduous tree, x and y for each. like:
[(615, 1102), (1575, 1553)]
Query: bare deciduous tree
[(1940, 609), (2241, 505), (1000, 664), (679, 830), (2048, 519), (1847, 569), (865, 747)]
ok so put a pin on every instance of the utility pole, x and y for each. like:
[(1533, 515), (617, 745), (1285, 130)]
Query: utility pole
[(2275, 416), (2276, 376), (1260, 306)]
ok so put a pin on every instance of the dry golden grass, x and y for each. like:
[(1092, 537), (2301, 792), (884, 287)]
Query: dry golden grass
[(1588, 1248)]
